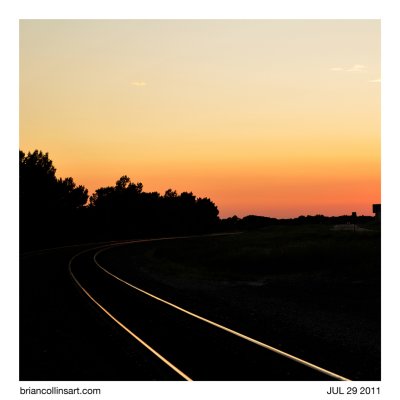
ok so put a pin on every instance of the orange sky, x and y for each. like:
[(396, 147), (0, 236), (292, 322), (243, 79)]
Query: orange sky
[(269, 117)]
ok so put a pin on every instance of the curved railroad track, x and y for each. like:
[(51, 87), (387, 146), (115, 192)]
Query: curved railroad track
[(194, 347)]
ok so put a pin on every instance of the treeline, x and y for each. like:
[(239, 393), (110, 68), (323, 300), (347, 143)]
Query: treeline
[(252, 222), (55, 211), (126, 209)]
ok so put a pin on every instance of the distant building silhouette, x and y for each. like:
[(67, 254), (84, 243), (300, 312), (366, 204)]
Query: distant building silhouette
[(376, 209)]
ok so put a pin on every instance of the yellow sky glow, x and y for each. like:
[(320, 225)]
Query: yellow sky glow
[(268, 117)]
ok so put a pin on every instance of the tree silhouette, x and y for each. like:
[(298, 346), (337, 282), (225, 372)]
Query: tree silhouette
[(41, 191), (170, 194), (38, 181), (48, 206), (206, 213), (126, 209), (122, 182)]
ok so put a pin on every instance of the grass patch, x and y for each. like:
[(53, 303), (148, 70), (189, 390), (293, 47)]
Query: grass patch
[(274, 251), (311, 289)]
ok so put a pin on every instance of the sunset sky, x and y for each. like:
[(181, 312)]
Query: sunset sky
[(270, 117)]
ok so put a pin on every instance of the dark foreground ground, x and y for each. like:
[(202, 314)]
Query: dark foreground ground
[(63, 337), (308, 290)]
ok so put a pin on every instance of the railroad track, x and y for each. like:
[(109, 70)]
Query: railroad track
[(194, 347)]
